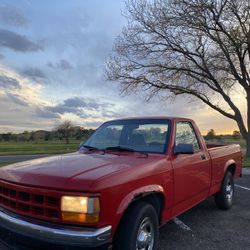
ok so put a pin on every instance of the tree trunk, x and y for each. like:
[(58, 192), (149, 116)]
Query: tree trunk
[(248, 145), (245, 134), (248, 126), (67, 139)]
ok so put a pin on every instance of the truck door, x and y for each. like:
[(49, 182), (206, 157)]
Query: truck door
[(192, 172)]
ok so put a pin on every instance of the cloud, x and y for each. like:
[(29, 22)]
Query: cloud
[(41, 112), (21, 100), (9, 82), (75, 105), (11, 16), (34, 73), (1, 56), (16, 42), (81, 107), (62, 109), (112, 114), (62, 64), (77, 102), (22, 104), (17, 100), (93, 124), (19, 89)]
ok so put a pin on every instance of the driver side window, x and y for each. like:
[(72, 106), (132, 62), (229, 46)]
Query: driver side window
[(185, 134)]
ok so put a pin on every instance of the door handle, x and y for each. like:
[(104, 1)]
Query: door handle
[(203, 157)]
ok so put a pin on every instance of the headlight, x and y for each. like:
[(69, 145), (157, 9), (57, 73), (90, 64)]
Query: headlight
[(80, 209)]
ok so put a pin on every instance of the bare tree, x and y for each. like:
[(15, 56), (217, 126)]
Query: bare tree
[(65, 130), (199, 48)]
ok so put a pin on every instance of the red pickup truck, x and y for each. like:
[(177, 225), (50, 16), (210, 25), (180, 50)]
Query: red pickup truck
[(127, 179)]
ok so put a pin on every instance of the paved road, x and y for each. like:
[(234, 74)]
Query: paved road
[(13, 158), (211, 228), (208, 228)]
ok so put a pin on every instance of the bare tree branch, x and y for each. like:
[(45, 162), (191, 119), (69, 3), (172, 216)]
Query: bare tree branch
[(187, 47)]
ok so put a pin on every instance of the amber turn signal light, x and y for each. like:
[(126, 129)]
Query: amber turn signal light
[(80, 218)]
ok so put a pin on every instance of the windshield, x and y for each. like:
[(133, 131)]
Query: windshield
[(145, 135)]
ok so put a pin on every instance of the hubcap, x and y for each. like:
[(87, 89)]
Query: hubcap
[(229, 191), (145, 235)]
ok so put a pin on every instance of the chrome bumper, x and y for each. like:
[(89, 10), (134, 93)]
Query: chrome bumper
[(58, 235)]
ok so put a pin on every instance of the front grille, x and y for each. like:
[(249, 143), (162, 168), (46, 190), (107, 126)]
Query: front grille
[(33, 202)]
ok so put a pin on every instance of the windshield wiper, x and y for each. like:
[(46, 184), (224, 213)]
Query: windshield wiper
[(125, 149), (120, 148), (90, 148)]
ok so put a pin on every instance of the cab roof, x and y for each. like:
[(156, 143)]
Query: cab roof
[(153, 118)]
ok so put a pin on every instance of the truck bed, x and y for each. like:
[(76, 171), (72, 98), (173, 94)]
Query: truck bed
[(221, 157)]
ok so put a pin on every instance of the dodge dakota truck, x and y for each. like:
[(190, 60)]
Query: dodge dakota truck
[(130, 177)]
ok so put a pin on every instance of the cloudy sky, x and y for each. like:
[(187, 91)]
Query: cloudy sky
[(52, 60)]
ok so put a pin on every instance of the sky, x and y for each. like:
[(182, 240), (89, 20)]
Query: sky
[(52, 63)]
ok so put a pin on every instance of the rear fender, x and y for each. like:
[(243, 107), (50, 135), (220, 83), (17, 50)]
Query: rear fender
[(220, 176), (228, 163)]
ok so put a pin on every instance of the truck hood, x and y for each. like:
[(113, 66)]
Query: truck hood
[(75, 171)]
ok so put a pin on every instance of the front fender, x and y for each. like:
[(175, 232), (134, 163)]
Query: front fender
[(132, 195)]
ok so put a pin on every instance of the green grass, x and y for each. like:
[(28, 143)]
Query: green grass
[(230, 141), (246, 162), (27, 148)]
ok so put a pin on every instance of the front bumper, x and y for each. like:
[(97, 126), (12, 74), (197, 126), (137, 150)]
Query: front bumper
[(50, 233)]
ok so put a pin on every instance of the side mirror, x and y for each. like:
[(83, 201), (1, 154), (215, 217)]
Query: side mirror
[(184, 149)]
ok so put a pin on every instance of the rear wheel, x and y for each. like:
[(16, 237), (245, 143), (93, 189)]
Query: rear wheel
[(224, 198), (138, 229)]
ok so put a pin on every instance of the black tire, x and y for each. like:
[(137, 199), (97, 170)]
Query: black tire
[(140, 220), (224, 198)]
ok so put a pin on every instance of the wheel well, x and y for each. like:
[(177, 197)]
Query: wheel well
[(231, 169), (155, 199)]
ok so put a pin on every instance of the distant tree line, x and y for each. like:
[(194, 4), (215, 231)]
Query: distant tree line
[(211, 135), (64, 131)]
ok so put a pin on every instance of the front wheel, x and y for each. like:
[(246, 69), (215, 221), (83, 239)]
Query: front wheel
[(138, 229), (224, 198)]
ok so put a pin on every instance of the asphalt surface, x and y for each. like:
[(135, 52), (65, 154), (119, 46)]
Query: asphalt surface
[(206, 227), (211, 228)]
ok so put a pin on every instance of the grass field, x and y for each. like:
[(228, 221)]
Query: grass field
[(229, 141), (246, 162), (29, 148)]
